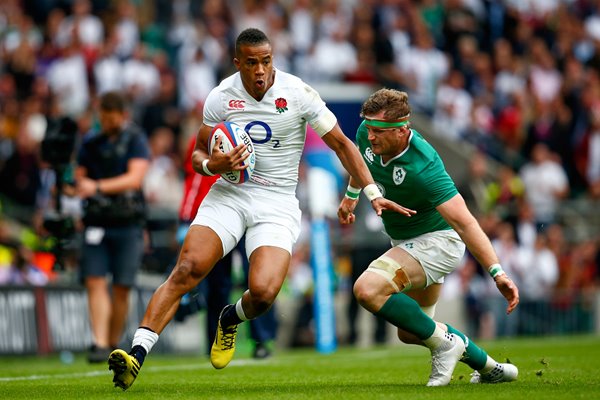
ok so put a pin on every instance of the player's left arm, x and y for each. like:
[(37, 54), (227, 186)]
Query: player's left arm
[(349, 155), (456, 213), (360, 175)]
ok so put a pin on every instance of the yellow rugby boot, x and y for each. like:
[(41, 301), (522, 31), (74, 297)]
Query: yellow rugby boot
[(125, 367), (223, 348)]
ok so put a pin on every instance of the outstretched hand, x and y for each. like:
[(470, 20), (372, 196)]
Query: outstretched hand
[(509, 290), (346, 211), (381, 203)]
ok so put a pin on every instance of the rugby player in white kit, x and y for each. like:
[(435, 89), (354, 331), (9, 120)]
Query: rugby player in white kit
[(274, 108)]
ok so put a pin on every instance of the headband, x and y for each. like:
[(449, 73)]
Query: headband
[(384, 124), (387, 124)]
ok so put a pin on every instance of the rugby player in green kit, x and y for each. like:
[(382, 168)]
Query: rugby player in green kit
[(403, 285)]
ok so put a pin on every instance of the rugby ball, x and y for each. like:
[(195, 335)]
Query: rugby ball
[(231, 135)]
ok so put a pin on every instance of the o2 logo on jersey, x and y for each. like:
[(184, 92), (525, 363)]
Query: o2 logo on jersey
[(260, 133)]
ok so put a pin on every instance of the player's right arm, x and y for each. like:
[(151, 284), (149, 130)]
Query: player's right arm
[(324, 122), (456, 213), (217, 162), (352, 161), (200, 152)]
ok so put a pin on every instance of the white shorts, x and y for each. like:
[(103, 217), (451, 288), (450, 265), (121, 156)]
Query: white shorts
[(268, 218), (439, 253)]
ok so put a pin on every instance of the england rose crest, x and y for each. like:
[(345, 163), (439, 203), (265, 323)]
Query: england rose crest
[(281, 105)]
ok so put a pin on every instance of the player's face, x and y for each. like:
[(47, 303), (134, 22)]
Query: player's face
[(255, 64), (387, 142), (383, 140)]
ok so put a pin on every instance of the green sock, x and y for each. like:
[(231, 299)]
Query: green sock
[(475, 357), (405, 313)]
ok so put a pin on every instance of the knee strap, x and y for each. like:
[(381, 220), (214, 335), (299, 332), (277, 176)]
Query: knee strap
[(393, 272)]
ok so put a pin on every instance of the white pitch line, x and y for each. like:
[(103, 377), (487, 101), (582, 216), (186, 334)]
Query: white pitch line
[(98, 373), (42, 377), (182, 367)]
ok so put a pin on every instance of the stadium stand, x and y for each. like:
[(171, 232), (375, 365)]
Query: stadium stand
[(495, 78)]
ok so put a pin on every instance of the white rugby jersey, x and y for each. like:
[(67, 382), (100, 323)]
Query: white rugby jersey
[(276, 124)]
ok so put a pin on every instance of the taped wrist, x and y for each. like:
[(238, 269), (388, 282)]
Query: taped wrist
[(372, 192), (205, 168), (352, 193), (496, 270)]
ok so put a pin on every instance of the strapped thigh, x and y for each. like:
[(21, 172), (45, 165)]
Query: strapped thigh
[(392, 271)]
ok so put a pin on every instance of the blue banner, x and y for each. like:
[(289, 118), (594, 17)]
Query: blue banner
[(323, 296)]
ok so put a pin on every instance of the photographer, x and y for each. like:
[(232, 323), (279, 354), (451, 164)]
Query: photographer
[(111, 167)]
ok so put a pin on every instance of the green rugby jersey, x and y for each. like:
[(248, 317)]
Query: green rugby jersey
[(415, 179)]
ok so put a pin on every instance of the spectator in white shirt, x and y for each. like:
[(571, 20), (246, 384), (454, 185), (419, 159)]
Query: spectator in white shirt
[(127, 31), (198, 78), (424, 67), (67, 79), (88, 27), (141, 78), (546, 183), (333, 57), (108, 69), (537, 270), (453, 107)]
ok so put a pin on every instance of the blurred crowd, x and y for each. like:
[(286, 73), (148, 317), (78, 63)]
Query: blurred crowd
[(520, 80)]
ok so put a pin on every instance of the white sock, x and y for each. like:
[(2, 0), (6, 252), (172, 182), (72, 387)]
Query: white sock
[(490, 364), (145, 338), (240, 311), (438, 338)]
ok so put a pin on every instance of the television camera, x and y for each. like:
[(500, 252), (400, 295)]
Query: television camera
[(57, 150)]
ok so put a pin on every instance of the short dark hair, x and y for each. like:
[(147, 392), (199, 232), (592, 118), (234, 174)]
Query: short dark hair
[(113, 101), (250, 37)]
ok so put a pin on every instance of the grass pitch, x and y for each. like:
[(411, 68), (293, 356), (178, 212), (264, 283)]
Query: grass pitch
[(549, 368)]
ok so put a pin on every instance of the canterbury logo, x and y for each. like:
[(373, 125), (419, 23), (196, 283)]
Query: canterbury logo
[(237, 104)]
